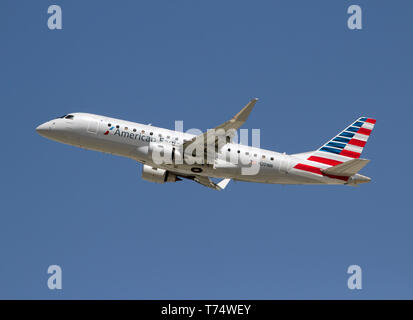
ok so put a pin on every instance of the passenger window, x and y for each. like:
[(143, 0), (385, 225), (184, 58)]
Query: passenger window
[(238, 151), (117, 127), (247, 153), (126, 128), (167, 137), (143, 131), (255, 155), (134, 130), (229, 150), (272, 158), (151, 133), (263, 157), (109, 124)]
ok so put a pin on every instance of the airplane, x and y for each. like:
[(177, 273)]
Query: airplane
[(337, 162)]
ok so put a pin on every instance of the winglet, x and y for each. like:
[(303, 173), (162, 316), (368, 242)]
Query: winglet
[(223, 183)]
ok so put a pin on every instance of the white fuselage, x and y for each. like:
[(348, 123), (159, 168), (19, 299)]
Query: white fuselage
[(136, 141)]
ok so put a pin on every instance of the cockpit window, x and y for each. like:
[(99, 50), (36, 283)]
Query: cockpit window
[(61, 117), (70, 116)]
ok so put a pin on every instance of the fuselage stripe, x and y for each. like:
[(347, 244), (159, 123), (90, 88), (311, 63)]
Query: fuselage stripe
[(324, 160), (305, 167)]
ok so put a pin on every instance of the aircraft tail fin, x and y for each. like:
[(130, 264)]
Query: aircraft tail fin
[(346, 146)]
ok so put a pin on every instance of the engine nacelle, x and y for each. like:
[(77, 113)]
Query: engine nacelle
[(158, 175)]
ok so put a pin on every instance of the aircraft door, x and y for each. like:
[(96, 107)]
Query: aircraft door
[(93, 126), (285, 163)]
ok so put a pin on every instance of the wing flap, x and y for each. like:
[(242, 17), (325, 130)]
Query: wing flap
[(207, 182), (347, 169)]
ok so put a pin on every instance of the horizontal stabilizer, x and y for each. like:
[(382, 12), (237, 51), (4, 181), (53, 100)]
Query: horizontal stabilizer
[(347, 169)]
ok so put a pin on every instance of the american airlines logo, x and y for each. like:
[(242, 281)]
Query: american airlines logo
[(107, 131), (137, 136)]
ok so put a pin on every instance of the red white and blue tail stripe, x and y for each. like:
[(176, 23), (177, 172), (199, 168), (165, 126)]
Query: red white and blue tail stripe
[(347, 145)]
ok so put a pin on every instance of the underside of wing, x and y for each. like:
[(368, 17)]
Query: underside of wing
[(207, 182)]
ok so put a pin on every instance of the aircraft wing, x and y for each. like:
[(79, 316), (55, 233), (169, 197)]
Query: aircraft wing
[(227, 129)]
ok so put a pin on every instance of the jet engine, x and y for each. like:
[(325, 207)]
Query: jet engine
[(158, 175)]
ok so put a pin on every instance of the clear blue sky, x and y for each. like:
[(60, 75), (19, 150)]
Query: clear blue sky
[(117, 236)]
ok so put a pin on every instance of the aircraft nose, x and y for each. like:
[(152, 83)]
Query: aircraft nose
[(43, 129)]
